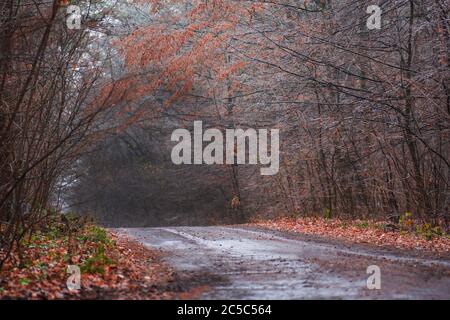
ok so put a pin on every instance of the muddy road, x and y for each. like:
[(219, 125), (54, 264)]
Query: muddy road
[(250, 263)]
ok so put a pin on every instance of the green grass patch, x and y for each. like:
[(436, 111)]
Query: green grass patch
[(97, 262), (362, 224)]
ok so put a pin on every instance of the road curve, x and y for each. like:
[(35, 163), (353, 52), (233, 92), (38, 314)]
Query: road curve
[(248, 263)]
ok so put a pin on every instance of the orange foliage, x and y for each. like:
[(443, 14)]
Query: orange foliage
[(373, 233), (178, 54)]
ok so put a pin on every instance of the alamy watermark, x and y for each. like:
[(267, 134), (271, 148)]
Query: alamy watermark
[(74, 280), (374, 280), (73, 20), (374, 21), (190, 151)]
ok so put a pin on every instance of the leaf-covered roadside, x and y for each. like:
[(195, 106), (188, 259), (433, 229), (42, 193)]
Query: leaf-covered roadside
[(112, 267), (421, 237)]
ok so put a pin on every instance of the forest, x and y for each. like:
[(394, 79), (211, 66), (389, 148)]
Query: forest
[(92, 90)]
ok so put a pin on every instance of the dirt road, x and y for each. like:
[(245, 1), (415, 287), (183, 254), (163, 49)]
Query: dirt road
[(249, 263)]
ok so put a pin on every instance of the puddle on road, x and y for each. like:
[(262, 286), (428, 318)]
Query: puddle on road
[(255, 268), (244, 264)]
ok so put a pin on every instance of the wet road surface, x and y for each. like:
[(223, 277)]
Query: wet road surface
[(249, 263)]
